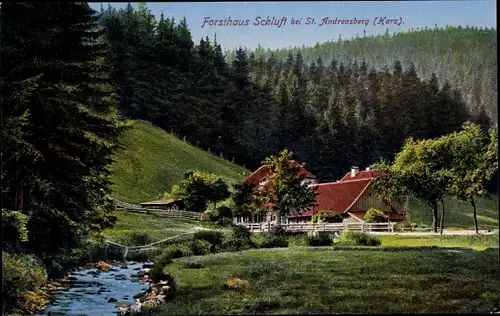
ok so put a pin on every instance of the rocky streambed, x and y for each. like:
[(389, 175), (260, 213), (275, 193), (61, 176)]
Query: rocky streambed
[(108, 289)]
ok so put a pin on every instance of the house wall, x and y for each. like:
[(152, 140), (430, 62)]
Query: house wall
[(370, 199)]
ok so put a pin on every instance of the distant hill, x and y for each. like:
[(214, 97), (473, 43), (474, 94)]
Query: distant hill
[(153, 160), (464, 56)]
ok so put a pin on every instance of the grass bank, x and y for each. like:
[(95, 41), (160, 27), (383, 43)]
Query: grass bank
[(156, 227), (458, 213), (322, 280), (153, 160), (476, 242)]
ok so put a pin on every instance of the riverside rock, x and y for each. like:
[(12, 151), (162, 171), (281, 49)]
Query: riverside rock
[(156, 295)]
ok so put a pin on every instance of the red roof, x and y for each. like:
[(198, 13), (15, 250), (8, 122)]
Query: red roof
[(393, 216), (338, 197), (264, 171), (363, 174)]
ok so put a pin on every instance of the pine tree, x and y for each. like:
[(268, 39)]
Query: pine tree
[(73, 126)]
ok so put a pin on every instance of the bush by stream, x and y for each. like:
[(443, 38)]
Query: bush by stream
[(22, 275)]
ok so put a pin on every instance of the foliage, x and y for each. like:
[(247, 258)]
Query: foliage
[(14, 230), (474, 162), (213, 237), (352, 238), (285, 190), (418, 171), (320, 239), (276, 238), (237, 239), (198, 189), (210, 215), (225, 212), (225, 222), (178, 250), (63, 127), (298, 241), (326, 217), (20, 274), (243, 200), (200, 247), (375, 216)]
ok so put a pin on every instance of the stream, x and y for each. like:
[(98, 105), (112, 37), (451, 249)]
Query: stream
[(92, 293)]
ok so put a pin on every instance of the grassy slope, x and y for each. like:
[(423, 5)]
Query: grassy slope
[(305, 280), (458, 213), (476, 242), (155, 226), (153, 160)]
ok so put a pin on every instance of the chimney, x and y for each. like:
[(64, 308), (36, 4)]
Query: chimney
[(354, 171)]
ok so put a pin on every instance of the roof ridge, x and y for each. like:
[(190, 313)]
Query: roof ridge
[(359, 195), (344, 182)]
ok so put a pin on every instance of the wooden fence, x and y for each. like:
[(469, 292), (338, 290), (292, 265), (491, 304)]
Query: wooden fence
[(166, 213), (326, 227)]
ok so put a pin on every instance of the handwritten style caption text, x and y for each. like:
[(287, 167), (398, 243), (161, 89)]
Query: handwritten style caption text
[(284, 21)]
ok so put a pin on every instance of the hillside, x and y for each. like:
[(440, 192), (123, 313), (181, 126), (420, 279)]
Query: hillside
[(458, 213), (152, 161), (463, 56)]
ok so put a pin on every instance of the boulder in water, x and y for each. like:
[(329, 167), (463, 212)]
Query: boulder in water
[(103, 266)]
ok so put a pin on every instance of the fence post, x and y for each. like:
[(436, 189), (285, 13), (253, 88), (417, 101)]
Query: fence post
[(362, 227)]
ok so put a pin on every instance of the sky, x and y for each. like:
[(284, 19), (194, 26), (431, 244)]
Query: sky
[(375, 18)]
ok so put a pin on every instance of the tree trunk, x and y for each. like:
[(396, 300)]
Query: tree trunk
[(278, 219), (473, 203), (442, 218), (435, 216)]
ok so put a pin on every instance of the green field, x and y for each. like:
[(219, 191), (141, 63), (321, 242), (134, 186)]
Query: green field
[(476, 242), (324, 280), (153, 160), (458, 213), (156, 227)]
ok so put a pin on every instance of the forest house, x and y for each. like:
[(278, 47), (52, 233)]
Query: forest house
[(351, 197)]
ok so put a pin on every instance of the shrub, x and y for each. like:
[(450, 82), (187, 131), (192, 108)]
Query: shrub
[(213, 237), (178, 250), (298, 241), (14, 230), (135, 238), (258, 240), (142, 255), (276, 238), (210, 215), (326, 217), (20, 274), (227, 222), (225, 212), (238, 239), (350, 238), (375, 216), (320, 239), (200, 247)]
